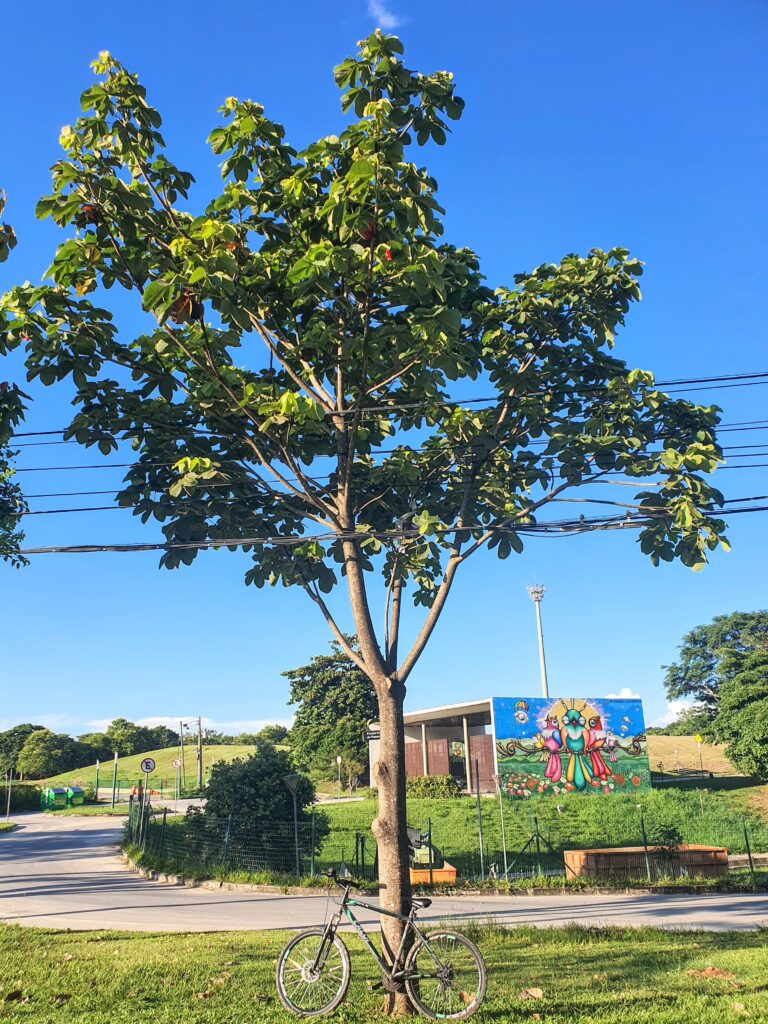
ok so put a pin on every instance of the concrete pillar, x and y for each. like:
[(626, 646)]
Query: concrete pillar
[(467, 758), (424, 747)]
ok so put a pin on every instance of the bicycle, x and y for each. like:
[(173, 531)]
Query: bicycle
[(443, 973)]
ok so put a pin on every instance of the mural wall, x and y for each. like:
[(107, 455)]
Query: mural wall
[(578, 744)]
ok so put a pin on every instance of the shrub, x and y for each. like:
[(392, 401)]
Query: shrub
[(436, 786), (23, 798)]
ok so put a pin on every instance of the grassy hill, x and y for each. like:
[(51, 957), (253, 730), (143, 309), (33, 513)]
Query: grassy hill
[(682, 751), (129, 770)]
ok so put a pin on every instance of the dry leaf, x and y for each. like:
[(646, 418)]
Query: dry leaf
[(741, 1009), (531, 993), (710, 972), (536, 1016), (13, 995), (62, 997), (261, 998), (67, 956), (204, 995)]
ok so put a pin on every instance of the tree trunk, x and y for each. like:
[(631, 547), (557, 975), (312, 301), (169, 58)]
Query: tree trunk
[(389, 827)]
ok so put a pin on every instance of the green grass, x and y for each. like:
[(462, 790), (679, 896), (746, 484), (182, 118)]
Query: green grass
[(129, 768), (606, 976), (6, 826), (714, 818), (87, 810)]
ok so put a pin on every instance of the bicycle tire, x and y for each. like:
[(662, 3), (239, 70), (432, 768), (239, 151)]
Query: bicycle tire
[(434, 950), (312, 987)]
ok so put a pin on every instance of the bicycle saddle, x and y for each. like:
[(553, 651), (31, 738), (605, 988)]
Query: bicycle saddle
[(422, 902)]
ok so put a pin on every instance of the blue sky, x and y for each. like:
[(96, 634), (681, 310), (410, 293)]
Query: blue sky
[(586, 124)]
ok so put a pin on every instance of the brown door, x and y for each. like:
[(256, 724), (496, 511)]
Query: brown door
[(481, 750), (437, 757), (414, 762)]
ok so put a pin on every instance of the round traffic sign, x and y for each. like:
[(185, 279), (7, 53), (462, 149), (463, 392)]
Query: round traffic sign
[(176, 762), (147, 765)]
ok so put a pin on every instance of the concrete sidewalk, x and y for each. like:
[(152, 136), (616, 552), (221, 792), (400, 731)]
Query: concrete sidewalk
[(67, 873)]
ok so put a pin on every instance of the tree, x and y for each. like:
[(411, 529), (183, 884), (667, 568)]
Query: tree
[(714, 653), (253, 790), (742, 717), (99, 743), (158, 737), (300, 385), (11, 742), (46, 753), (335, 702), (12, 503), (272, 734)]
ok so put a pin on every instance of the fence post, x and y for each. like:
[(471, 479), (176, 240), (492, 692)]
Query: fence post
[(429, 846), (312, 848), (748, 848), (479, 820), (162, 833), (537, 837), (645, 847), (227, 839), (131, 830), (503, 834)]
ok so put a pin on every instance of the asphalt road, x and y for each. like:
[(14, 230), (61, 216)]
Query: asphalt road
[(66, 873)]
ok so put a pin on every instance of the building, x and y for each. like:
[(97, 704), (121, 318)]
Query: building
[(529, 745)]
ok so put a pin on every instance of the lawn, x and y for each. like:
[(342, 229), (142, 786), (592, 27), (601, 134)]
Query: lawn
[(129, 768), (683, 752), (608, 976), (6, 826)]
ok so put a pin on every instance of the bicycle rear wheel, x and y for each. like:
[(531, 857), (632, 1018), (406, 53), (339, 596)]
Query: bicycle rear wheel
[(308, 990), (445, 976)]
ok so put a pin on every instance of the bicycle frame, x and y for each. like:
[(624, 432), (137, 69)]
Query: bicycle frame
[(396, 973)]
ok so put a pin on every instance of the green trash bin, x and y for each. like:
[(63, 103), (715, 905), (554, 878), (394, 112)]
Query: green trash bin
[(54, 798), (75, 796)]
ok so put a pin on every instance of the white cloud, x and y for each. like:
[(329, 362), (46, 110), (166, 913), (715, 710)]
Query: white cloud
[(624, 694), (674, 709), (229, 728), (384, 17), (56, 721)]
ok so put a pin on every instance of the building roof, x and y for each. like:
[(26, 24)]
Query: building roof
[(450, 714)]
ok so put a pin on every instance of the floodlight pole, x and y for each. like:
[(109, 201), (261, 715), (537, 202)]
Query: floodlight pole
[(536, 594)]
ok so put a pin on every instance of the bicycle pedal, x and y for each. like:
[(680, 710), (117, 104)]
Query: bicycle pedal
[(373, 986)]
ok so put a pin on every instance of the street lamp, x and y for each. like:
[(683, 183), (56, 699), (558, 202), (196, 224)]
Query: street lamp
[(536, 594), (292, 783), (338, 765)]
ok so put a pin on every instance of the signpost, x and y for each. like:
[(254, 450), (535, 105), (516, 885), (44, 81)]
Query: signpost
[(338, 765), (291, 783), (699, 741), (96, 784), (177, 766), (114, 780)]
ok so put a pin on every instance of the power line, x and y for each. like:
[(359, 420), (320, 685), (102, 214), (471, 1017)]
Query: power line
[(571, 527)]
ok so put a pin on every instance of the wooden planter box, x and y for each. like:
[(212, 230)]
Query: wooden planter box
[(629, 862), (447, 873)]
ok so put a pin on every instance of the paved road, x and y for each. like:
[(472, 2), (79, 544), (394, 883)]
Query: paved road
[(65, 873)]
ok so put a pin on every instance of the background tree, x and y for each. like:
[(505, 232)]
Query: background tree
[(272, 734), (742, 718), (300, 384), (335, 701), (11, 743), (99, 744), (714, 653), (46, 753)]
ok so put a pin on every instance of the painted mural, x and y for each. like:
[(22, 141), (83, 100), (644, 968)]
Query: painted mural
[(574, 744)]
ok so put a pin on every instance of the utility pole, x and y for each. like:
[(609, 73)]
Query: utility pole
[(181, 750), (199, 752), (536, 594)]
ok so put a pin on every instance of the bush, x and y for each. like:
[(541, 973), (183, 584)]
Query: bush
[(23, 798), (253, 791), (435, 786)]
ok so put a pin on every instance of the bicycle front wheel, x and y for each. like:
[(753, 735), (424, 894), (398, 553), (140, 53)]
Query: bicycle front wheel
[(313, 973), (445, 976)]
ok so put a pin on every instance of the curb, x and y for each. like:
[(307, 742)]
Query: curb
[(296, 890)]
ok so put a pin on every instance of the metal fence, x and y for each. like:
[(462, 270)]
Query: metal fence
[(512, 846)]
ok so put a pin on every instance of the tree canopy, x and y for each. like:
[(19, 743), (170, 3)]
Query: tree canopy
[(47, 753), (742, 718), (712, 654), (334, 701), (253, 790), (11, 742)]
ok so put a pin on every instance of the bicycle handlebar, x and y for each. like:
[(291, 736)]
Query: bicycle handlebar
[(343, 883)]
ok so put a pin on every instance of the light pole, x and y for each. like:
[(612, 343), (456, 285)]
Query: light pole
[(292, 783), (536, 594), (338, 765)]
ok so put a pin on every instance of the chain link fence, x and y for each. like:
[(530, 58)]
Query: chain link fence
[(506, 844)]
